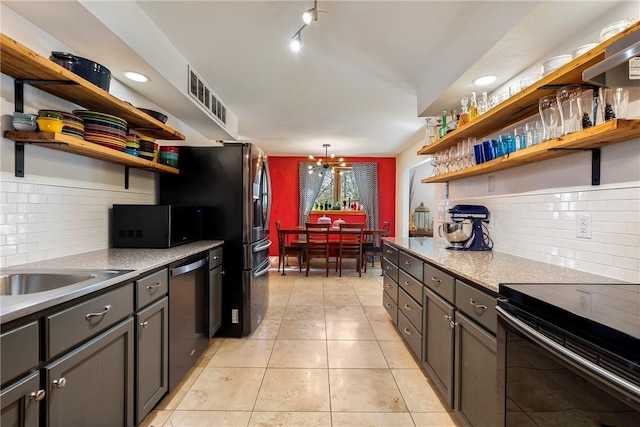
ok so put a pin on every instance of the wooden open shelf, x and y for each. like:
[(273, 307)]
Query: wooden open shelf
[(23, 63), (598, 136), (61, 142), (525, 103)]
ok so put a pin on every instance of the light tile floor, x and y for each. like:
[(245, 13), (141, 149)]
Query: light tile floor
[(326, 354)]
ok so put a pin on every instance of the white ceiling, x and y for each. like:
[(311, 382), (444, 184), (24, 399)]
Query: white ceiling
[(367, 70)]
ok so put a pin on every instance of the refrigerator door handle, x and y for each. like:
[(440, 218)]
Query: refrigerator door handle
[(262, 247), (263, 271)]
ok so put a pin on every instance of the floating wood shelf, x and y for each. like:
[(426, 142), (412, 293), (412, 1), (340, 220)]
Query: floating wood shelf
[(61, 142), (607, 133), (23, 63), (525, 103)]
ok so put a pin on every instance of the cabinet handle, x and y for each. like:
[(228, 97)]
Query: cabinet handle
[(37, 395), (407, 331), (59, 383), (389, 251), (435, 279), (222, 272), (476, 305), (407, 263), (216, 257), (388, 267), (102, 313), (144, 324), (407, 307), (152, 287), (452, 324), (388, 285), (388, 305), (407, 283), (447, 318)]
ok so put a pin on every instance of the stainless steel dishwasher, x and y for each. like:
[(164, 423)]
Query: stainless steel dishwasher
[(188, 314)]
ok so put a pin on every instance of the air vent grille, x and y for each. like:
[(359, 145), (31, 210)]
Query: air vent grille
[(205, 97)]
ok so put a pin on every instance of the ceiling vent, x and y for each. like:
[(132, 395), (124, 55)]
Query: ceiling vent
[(204, 96)]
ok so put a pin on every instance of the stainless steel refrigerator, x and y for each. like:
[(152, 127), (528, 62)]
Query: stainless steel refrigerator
[(231, 183)]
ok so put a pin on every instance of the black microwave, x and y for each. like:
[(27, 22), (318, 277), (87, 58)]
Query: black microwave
[(155, 226)]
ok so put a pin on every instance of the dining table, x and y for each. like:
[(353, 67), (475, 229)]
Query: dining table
[(334, 235)]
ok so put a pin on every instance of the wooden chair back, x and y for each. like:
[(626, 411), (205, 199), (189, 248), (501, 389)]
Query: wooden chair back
[(317, 245)]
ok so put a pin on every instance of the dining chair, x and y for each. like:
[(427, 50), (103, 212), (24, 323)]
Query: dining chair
[(372, 247), (350, 245), (317, 245), (285, 249)]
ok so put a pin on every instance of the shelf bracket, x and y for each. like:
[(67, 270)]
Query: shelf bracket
[(19, 160), (595, 161), (18, 85), (126, 177)]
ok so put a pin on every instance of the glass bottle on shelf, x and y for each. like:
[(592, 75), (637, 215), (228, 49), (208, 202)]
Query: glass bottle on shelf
[(464, 116), (483, 104), (443, 125), (452, 124), (473, 107)]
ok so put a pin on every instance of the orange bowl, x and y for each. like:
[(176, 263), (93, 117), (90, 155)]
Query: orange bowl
[(48, 124)]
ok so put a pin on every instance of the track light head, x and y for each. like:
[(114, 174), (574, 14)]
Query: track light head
[(310, 15), (296, 43)]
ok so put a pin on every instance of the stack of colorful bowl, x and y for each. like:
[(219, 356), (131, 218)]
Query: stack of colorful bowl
[(72, 125), (133, 144), (148, 148), (104, 129), (169, 156), (24, 122), (49, 121)]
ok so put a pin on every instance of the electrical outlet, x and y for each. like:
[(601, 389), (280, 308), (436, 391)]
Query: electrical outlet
[(583, 226), (584, 303)]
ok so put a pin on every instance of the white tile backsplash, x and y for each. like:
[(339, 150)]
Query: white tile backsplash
[(541, 225), (41, 221)]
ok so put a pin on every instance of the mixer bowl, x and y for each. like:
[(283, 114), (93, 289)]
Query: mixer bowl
[(456, 232)]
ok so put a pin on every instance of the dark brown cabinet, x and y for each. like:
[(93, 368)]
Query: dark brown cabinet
[(439, 318), (215, 290), (92, 385), (390, 281), (21, 402)]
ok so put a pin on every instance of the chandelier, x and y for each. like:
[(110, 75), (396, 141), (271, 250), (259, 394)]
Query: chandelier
[(327, 163)]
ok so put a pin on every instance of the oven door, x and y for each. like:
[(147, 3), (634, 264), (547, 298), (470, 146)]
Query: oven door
[(542, 382)]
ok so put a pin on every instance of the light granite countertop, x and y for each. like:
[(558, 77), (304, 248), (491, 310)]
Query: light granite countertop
[(132, 263), (489, 269)]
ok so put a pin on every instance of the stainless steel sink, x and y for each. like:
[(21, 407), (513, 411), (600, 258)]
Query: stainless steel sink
[(21, 282)]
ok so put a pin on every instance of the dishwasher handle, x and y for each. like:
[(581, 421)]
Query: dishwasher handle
[(188, 268)]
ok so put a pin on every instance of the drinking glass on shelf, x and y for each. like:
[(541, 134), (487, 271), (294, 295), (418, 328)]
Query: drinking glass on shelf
[(588, 106), (550, 116), (613, 103), (569, 103)]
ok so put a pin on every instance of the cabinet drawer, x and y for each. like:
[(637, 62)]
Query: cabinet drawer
[(19, 351), (390, 253), (410, 335), (439, 281), (390, 269), (391, 288), (69, 327), (412, 286), (478, 305), (151, 287), (391, 307), (411, 265), (215, 257), (410, 308)]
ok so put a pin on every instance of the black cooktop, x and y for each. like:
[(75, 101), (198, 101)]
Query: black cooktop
[(607, 315)]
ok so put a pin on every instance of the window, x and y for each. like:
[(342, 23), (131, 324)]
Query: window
[(338, 188)]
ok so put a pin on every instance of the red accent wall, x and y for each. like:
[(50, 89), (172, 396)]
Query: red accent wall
[(285, 198)]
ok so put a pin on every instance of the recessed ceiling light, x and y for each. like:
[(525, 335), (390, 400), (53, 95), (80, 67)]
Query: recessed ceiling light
[(484, 80), (136, 77)]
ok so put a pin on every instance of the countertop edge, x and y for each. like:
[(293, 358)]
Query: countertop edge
[(137, 261)]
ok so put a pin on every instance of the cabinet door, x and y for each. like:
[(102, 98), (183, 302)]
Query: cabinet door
[(475, 374), (152, 353), (438, 343), (93, 384), (21, 402), (215, 300)]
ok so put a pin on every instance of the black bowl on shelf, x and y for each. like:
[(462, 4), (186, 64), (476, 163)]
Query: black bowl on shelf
[(155, 114)]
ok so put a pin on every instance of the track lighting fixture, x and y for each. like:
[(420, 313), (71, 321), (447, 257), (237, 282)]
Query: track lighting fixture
[(309, 16)]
